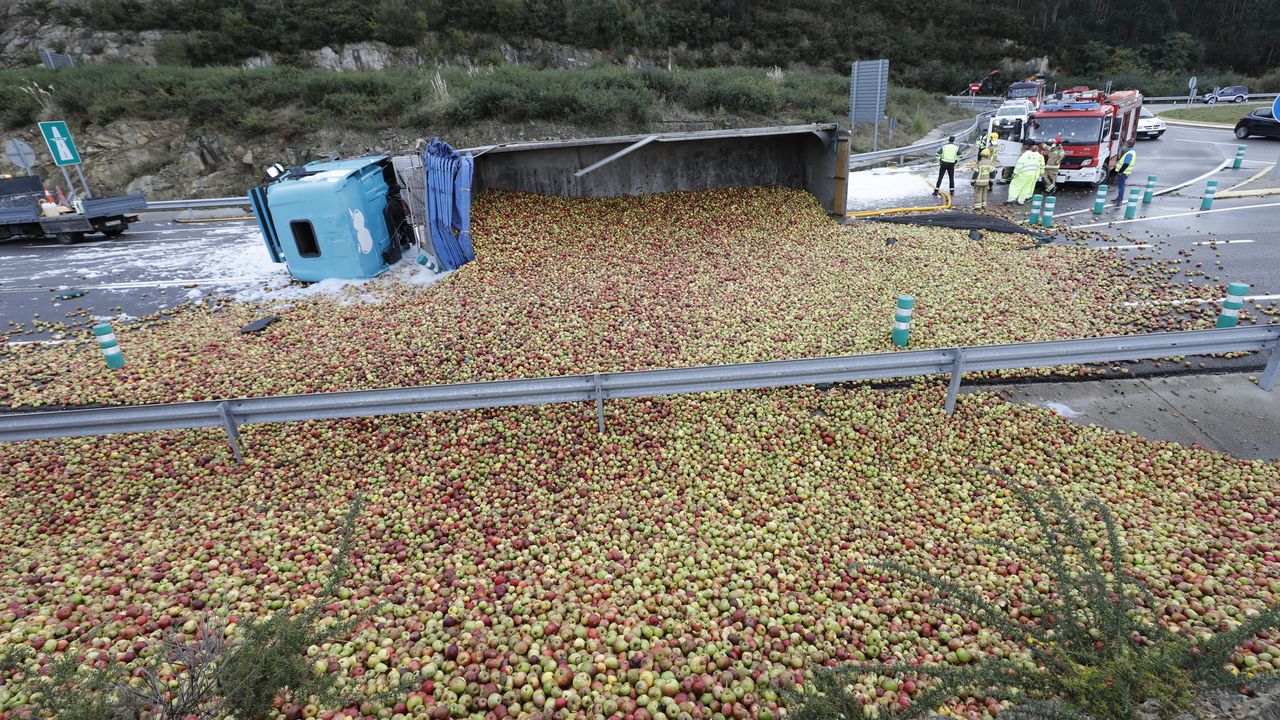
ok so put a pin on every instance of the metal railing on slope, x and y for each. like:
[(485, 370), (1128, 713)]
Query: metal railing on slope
[(198, 203), (1253, 97), (231, 414), (979, 124)]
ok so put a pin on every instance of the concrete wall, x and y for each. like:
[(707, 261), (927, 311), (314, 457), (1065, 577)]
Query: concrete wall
[(804, 160)]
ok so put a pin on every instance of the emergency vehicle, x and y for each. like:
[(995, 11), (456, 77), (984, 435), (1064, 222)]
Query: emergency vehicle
[(1022, 98), (1095, 128)]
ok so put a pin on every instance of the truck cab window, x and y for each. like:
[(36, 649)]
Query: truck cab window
[(1106, 128), (304, 236)]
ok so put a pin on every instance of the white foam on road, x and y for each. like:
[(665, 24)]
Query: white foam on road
[(885, 187), (219, 260), (1062, 409)]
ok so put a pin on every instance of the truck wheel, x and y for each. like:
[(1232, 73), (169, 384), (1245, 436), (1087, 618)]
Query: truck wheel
[(69, 238), (116, 231)]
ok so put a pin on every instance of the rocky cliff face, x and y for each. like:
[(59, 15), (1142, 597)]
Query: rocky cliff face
[(23, 37)]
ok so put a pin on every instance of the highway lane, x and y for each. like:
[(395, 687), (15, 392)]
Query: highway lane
[(154, 267)]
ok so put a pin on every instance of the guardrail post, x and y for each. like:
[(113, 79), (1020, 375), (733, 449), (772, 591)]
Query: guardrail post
[(1231, 305), (1206, 202), (595, 382), (1131, 207), (233, 432), (1268, 378), (1046, 218), (1239, 158), (902, 320), (1100, 200), (953, 390), (106, 337), (1150, 192), (1036, 201)]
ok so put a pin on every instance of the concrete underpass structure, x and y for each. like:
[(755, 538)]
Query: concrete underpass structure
[(814, 158)]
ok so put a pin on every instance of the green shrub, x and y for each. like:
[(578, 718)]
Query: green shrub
[(1097, 650)]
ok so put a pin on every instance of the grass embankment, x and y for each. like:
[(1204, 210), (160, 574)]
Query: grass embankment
[(1226, 114), (290, 100)]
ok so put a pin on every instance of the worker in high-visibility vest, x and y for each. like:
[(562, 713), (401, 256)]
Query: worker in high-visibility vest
[(1052, 162), (1123, 168), (983, 176), (1026, 172), (948, 155)]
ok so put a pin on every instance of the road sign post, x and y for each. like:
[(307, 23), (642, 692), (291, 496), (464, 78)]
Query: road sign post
[(61, 147), (868, 88), (19, 153), (57, 136), (1191, 90)]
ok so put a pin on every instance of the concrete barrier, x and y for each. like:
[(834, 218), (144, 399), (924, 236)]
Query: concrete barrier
[(814, 158)]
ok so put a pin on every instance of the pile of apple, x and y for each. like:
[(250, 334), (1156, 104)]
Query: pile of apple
[(680, 566), (568, 285)]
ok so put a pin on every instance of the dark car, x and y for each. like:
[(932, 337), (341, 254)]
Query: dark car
[(1233, 93), (1260, 122)]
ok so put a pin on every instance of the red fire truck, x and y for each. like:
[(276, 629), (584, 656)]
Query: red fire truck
[(1095, 128)]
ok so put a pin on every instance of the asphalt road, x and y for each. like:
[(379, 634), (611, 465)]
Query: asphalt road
[(155, 266), (1241, 234)]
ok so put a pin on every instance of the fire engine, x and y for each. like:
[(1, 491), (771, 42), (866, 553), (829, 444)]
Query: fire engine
[(1095, 128)]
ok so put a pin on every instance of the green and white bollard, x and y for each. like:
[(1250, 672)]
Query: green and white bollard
[(1100, 200), (1232, 304), (1036, 202), (107, 343), (1046, 218), (1239, 158), (1206, 202), (1131, 207), (1150, 192), (902, 320)]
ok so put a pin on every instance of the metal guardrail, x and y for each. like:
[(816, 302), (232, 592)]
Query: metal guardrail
[(918, 148), (199, 203), (231, 414), (976, 101), (1200, 98)]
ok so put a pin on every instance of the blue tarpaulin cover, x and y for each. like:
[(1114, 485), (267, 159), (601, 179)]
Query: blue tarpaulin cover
[(449, 175)]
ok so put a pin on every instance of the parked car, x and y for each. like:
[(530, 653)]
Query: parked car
[(1232, 93), (1150, 126), (1260, 123)]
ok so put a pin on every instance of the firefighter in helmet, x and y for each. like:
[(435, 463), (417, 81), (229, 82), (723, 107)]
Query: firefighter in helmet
[(983, 177), (1052, 163)]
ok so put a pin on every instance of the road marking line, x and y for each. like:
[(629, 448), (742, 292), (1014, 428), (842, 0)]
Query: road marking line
[(1221, 166), (1222, 242), (148, 284), (1200, 301), (1175, 215), (1205, 142), (17, 343), (1123, 247)]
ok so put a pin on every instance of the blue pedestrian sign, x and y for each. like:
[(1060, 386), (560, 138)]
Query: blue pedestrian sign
[(61, 146)]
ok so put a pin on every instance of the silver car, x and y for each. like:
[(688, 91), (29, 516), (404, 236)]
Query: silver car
[(1149, 126)]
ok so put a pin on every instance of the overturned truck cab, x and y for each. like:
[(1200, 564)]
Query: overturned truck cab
[(334, 218)]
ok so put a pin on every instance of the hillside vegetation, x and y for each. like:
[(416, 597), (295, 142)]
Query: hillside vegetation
[(936, 45), (282, 99)]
